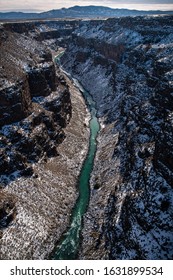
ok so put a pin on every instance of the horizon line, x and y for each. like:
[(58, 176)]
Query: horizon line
[(37, 11)]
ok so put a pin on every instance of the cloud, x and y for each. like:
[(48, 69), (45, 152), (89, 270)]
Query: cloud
[(45, 5), (142, 2)]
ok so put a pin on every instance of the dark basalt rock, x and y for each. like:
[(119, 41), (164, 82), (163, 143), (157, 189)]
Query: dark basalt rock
[(15, 102), (33, 130), (7, 209), (42, 80), (42, 135), (61, 107)]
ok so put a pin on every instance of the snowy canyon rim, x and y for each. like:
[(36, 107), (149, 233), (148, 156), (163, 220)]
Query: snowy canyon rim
[(126, 64)]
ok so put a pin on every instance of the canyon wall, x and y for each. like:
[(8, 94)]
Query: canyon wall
[(40, 153), (32, 97), (126, 64)]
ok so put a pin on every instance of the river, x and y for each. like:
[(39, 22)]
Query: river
[(70, 242)]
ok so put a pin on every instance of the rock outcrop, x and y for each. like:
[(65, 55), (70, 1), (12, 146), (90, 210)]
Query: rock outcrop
[(7, 209)]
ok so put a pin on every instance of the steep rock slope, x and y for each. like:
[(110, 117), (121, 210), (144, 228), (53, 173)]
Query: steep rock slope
[(127, 65), (35, 104), (40, 156)]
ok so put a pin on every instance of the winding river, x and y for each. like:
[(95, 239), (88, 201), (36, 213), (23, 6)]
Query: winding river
[(69, 245)]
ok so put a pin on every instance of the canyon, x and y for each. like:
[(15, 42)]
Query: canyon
[(126, 64)]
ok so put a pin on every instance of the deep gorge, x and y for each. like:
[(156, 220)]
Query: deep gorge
[(70, 243), (126, 65)]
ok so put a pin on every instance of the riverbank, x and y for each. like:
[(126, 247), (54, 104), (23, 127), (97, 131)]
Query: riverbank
[(69, 245)]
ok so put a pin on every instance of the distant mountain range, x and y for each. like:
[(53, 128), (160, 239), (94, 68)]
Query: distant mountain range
[(79, 12)]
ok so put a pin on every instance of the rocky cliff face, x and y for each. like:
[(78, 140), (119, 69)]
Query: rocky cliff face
[(126, 64), (36, 107), (31, 128), (27, 70)]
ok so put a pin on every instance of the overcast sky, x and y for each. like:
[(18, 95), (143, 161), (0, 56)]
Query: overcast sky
[(45, 5)]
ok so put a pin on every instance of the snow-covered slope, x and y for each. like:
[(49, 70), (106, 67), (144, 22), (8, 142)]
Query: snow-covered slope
[(37, 146), (127, 65)]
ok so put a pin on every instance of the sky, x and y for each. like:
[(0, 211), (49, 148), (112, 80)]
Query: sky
[(45, 5)]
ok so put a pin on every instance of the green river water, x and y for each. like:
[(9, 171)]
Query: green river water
[(69, 245)]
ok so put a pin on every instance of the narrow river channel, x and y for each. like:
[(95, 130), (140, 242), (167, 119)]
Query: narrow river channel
[(69, 245)]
